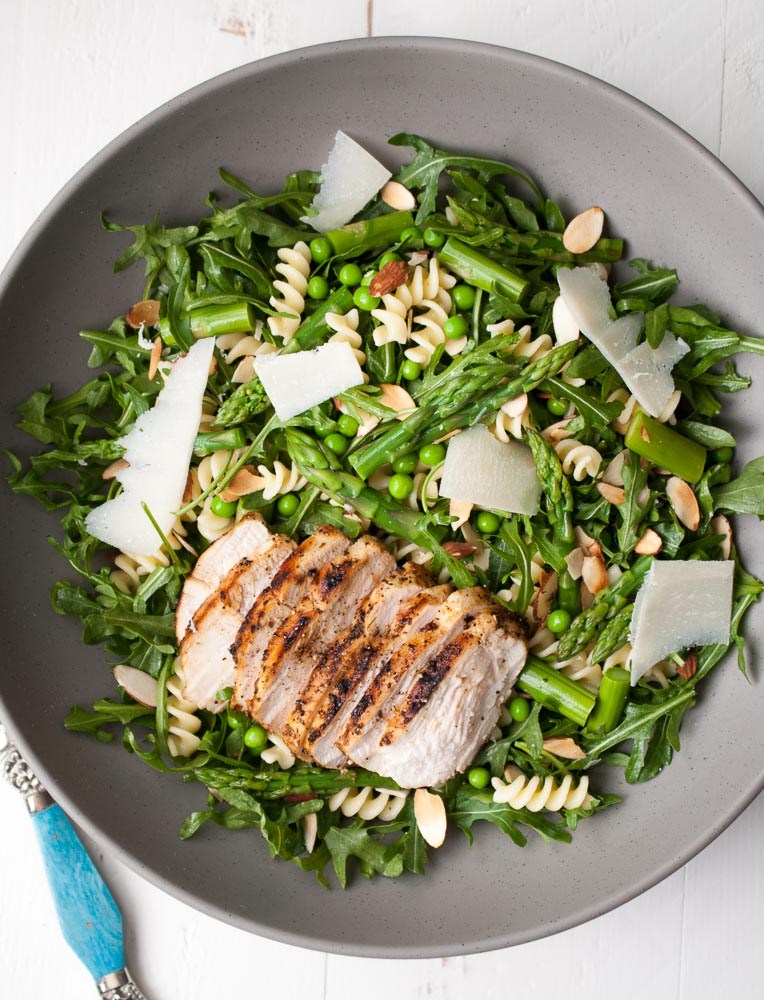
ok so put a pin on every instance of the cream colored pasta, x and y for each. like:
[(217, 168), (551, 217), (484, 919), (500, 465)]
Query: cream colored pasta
[(578, 460), (184, 723), (294, 267), (241, 349), (521, 792), (346, 331), (278, 753), (368, 803), (528, 347), (280, 479)]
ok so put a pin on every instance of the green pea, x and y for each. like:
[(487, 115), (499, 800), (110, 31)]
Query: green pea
[(324, 432), (255, 738), (318, 287), (287, 504), (433, 238), (478, 777), (363, 298), (367, 279), (410, 370), (724, 455), (234, 719), (557, 407), (463, 296), (400, 486), (432, 454), (387, 257), (348, 425), (406, 463), (519, 709), (487, 522), (222, 508), (558, 621), (337, 443), (456, 327), (412, 235), (320, 249), (350, 274)]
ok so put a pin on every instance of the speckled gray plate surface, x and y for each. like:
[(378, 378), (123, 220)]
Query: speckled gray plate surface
[(586, 143)]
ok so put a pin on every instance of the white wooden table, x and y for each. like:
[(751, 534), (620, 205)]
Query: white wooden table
[(75, 73)]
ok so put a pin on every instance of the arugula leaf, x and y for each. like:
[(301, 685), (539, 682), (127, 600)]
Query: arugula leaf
[(656, 284), (80, 720), (151, 243), (355, 841), (472, 805), (631, 513), (706, 434), (744, 495)]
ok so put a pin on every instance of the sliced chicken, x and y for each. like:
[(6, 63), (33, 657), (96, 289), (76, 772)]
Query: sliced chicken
[(276, 603), (444, 717), (205, 652), (365, 663), (374, 616), (295, 648), (396, 676), (214, 564)]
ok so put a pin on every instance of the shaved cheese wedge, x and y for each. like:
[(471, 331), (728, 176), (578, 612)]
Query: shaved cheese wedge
[(158, 449), (681, 603), (349, 179), (645, 370), (481, 470), (295, 382)]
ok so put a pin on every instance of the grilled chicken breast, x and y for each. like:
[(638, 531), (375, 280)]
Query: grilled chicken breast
[(276, 603), (214, 564), (327, 611), (205, 650)]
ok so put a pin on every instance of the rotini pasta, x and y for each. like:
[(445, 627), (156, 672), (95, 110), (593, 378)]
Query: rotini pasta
[(521, 792), (579, 460), (428, 288), (346, 331), (184, 723), (528, 347), (429, 335), (368, 803), (278, 753), (660, 673), (244, 348), (294, 266), (578, 667), (280, 479), (425, 488), (512, 418), (131, 569)]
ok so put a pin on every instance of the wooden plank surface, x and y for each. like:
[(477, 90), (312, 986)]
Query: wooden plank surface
[(74, 75)]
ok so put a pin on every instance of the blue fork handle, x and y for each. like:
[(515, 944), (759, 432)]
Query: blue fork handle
[(88, 915)]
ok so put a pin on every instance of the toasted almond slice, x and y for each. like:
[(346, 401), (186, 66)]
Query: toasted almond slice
[(397, 196), (140, 686), (154, 358), (594, 574), (244, 370), (460, 550), (390, 277), (461, 510), (417, 257), (396, 398), (543, 599), (244, 482), (649, 544), (309, 831), (721, 526), (430, 815), (684, 502), (575, 562), (590, 545), (690, 666), (613, 494), (145, 313), (184, 543), (446, 437), (515, 407), (583, 232), (613, 474), (565, 327), (558, 431), (110, 472), (587, 597), (566, 748)]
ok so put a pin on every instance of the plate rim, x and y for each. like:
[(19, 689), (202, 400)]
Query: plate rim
[(451, 46)]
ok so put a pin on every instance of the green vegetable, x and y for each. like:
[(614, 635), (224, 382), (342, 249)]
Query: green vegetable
[(406, 463), (487, 522), (318, 287), (482, 271), (380, 231), (365, 301), (336, 443), (214, 321), (348, 425), (557, 407), (386, 258), (222, 507), (320, 249), (432, 455), (665, 448), (611, 701), (555, 691), (255, 738), (456, 327), (400, 486), (411, 236), (208, 443), (245, 402), (558, 621), (410, 370), (463, 296), (432, 238), (478, 777), (350, 274), (519, 709), (744, 495), (287, 504)]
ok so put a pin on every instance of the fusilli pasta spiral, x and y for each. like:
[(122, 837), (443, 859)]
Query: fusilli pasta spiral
[(346, 331), (182, 740), (368, 803), (579, 460), (131, 569), (278, 753), (294, 266), (428, 288), (281, 479), (244, 348), (521, 792), (528, 347)]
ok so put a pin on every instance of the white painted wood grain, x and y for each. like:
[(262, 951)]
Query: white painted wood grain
[(74, 75)]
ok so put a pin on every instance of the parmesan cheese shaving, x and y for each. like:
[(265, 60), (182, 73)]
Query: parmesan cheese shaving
[(295, 382), (349, 179), (158, 449), (645, 370), (681, 603), (490, 473)]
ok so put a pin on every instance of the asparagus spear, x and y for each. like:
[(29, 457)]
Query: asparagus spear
[(214, 321), (359, 237), (206, 444), (482, 271), (555, 691), (245, 402), (614, 634), (665, 447), (611, 700), (555, 485)]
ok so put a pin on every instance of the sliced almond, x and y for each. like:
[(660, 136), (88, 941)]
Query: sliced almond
[(544, 597), (684, 502), (460, 550), (396, 398), (583, 232), (184, 543), (188, 490), (461, 510), (575, 563), (140, 686), (430, 815), (566, 748), (245, 481), (110, 472), (594, 574), (613, 494), (590, 545), (565, 327), (418, 257), (390, 277), (690, 666), (649, 544), (587, 597), (613, 474), (517, 406), (721, 526), (557, 432), (145, 313), (644, 435), (309, 831), (397, 196), (155, 357)]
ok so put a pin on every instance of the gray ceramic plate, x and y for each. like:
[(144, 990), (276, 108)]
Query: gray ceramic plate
[(586, 143)]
